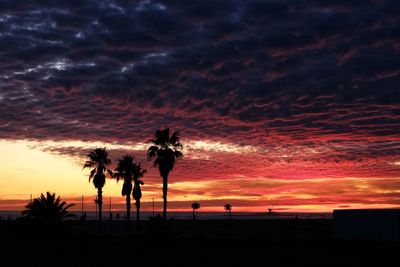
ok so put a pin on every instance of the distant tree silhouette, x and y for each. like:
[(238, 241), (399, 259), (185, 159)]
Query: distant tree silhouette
[(97, 162), (195, 206), (125, 170), (228, 207), (165, 150), (47, 208), (137, 191)]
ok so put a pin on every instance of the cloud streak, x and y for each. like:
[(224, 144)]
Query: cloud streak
[(273, 89)]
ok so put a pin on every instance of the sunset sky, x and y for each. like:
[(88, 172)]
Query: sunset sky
[(287, 104)]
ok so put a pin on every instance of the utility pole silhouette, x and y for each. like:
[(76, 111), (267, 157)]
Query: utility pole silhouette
[(82, 205)]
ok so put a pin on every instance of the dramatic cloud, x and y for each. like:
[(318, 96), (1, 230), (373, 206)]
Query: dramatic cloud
[(259, 89)]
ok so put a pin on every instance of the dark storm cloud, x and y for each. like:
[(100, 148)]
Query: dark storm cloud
[(249, 72)]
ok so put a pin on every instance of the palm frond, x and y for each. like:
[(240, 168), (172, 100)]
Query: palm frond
[(152, 152), (47, 208), (138, 171), (162, 137), (175, 140), (98, 160), (92, 173), (117, 175), (178, 154), (165, 150), (89, 164)]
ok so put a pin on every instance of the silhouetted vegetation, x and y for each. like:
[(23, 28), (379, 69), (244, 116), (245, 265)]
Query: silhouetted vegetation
[(47, 209), (228, 207), (125, 170), (195, 206), (165, 150), (97, 162), (137, 191)]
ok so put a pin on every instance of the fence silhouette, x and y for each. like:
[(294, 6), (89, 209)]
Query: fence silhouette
[(11, 206)]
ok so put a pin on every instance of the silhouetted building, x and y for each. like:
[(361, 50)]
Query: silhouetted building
[(374, 224)]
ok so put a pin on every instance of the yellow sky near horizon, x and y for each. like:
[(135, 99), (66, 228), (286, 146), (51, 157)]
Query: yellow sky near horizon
[(27, 170)]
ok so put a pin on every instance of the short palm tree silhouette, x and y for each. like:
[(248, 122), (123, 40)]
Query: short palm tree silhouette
[(165, 150), (195, 206), (47, 208), (228, 207), (97, 162), (137, 191), (125, 170)]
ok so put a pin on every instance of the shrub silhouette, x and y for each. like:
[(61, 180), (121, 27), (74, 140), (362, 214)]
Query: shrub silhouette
[(47, 209)]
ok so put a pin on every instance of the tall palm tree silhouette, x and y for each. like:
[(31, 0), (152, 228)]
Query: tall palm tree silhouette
[(97, 162), (166, 150), (125, 170), (137, 191), (47, 208)]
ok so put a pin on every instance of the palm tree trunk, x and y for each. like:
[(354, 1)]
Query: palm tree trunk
[(137, 214), (138, 211), (165, 190), (194, 216), (128, 208), (100, 204)]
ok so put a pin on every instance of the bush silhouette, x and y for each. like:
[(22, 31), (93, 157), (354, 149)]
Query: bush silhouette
[(47, 209)]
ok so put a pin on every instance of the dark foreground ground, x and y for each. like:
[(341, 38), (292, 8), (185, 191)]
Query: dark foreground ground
[(188, 243)]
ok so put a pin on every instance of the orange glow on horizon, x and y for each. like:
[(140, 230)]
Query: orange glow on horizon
[(29, 168)]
